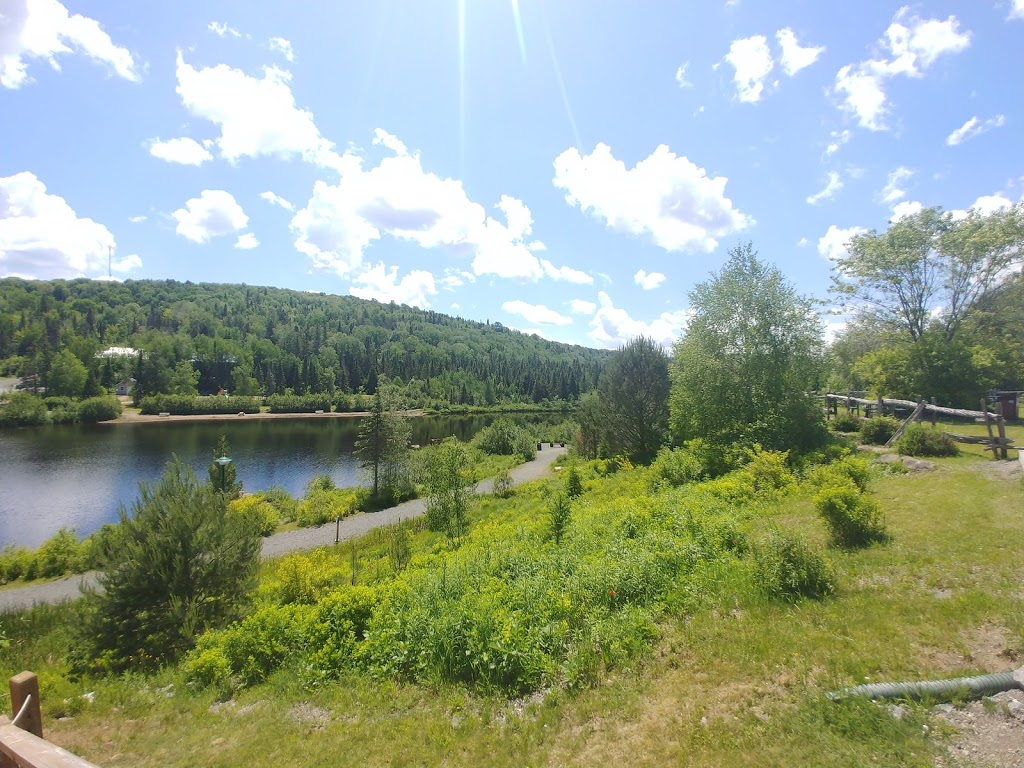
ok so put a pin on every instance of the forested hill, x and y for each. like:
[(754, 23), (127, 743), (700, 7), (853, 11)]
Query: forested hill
[(257, 340)]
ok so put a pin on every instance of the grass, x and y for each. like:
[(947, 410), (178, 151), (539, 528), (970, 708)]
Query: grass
[(733, 679)]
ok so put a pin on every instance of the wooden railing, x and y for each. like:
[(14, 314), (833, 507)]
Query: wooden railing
[(21, 739)]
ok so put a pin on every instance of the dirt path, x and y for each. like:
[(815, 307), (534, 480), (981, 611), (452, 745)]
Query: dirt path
[(290, 541)]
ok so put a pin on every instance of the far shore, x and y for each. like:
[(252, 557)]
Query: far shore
[(133, 417)]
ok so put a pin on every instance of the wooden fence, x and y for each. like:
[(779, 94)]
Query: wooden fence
[(997, 441), (21, 738)]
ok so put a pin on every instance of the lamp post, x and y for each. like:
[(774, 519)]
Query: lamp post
[(223, 461)]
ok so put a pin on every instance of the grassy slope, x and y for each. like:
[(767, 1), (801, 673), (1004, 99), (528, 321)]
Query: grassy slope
[(738, 682)]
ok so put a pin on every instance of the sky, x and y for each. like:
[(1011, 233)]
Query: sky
[(564, 167)]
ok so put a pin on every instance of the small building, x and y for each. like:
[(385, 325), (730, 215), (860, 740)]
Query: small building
[(1009, 402), (126, 387), (114, 352)]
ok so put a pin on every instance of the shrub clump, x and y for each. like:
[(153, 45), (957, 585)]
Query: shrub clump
[(878, 430), (505, 438), (97, 409), (919, 440), (503, 487), (788, 568), (853, 519), (849, 469), (676, 466), (845, 422)]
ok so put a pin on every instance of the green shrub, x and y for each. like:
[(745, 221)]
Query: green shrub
[(60, 554), (260, 514), (561, 514), (299, 403), (282, 501), (14, 562), (505, 438), (55, 402), (878, 430), (676, 466), (852, 519), (768, 471), (185, 405), (322, 506), (573, 483), (24, 410), (845, 422), (503, 487), (847, 469), (919, 440), (788, 568), (97, 409)]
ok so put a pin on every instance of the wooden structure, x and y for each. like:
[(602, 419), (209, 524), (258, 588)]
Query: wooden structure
[(21, 738), (995, 424)]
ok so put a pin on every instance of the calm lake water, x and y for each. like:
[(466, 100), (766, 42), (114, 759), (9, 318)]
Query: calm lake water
[(78, 475)]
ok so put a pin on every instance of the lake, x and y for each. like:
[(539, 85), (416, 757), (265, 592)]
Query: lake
[(78, 475)]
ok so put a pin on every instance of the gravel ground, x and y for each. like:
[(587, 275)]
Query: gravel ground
[(290, 541)]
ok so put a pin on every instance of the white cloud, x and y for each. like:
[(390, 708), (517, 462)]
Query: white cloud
[(568, 274), (833, 244), (794, 57), (681, 76), (456, 278), (803, 242), (282, 46), (129, 263), (984, 205), (247, 242), (752, 63), (42, 238), (213, 214), (183, 151), (43, 29), (582, 307), (905, 208), (382, 283), (137, 219), (974, 127), (838, 139), (1017, 9), (833, 185), (256, 116), (892, 190), (833, 328), (273, 199), (222, 30), (665, 196), (399, 198), (536, 313), (913, 45), (648, 280), (612, 327)]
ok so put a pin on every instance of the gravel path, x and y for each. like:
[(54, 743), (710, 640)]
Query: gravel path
[(289, 541)]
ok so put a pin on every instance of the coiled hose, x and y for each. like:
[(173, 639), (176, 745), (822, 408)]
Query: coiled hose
[(977, 686)]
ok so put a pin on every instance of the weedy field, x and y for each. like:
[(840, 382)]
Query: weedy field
[(665, 620)]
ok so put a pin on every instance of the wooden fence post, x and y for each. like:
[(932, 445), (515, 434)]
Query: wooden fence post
[(881, 406), (23, 686), (1001, 427), (935, 415), (988, 424)]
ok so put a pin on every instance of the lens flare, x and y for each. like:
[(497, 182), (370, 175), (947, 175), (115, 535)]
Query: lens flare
[(519, 30), (462, 84)]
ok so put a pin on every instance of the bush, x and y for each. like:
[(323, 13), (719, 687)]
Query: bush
[(676, 466), (60, 554), (878, 430), (845, 422), (561, 514), (853, 519), (14, 562), (24, 410), (99, 409), (282, 501), (768, 471), (299, 403), (919, 440), (505, 438), (788, 568), (185, 405), (846, 470), (259, 513), (573, 483), (323, 506), (503, 487)]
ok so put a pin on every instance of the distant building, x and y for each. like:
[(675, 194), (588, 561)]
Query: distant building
[(126, 387), (110, 352)]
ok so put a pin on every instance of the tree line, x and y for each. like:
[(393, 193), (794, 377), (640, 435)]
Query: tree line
[(199, 338)]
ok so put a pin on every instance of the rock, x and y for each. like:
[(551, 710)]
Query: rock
[(898, 711), (943, 709)]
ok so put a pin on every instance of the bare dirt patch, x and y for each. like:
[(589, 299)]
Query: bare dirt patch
[(990, 732), (305, 713)]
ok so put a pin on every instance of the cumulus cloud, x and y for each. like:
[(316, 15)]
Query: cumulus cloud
[(400, 199), (536, 313), (183, 151), (893, 191), (247, 242), (794, 57), (41, 236), (43, 29), (214, 213), (838, 138), (256, 115), (382, 283), (905, 208), (137, 219), (222, 30), (582, 307), (911, 45), (664, 196), (282, 46), (974, 127), (1017, 9), (752, 62), (984, 205), (273, 199), (681, 78), (648, 280), (833, 185), (612, 327), (833, 244)]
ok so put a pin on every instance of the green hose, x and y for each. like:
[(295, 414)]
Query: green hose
[(977, 686)]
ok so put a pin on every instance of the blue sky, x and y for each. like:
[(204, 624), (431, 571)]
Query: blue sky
[(565, 167)]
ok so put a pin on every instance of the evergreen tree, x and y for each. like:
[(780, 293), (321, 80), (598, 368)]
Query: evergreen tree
[(634, 392), (177, 565), (224, 478), (383, 444)]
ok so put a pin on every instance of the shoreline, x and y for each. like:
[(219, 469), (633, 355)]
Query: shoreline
[(130, 417)]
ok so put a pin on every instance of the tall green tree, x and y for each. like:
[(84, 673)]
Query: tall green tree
[(176, 565), (383, 443), (224, 479), (634, 391), (449, 485), (67, 375), (184, 379), (751, 353), (590, 416)]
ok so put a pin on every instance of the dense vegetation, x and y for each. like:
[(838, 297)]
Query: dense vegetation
[(200, 338)]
